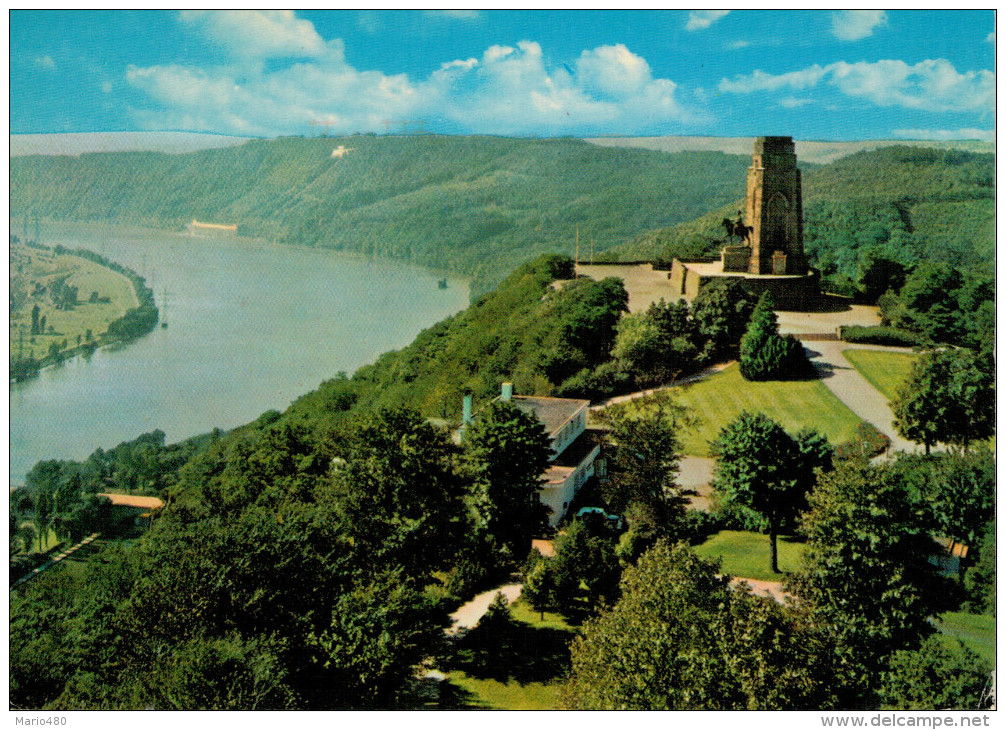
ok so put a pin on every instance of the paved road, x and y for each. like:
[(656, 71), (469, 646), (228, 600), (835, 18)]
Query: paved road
[(467, 617), (767, 588), (854, 390)]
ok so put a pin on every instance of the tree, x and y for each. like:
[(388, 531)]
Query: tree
[(764, 353), (539, 587), (645, 447), (764, 472), (879, 275), (228, 673), (43, 484), (36, 328), (379, 633), (936, 676), (865, 576), (679, 638), (949, 397), (980, 580), (398, 493), (585, 570), (958, 490), (928, 303), (656, 345), (720, 313), (506, 452)]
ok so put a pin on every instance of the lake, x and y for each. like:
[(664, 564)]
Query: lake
[(251, 326)]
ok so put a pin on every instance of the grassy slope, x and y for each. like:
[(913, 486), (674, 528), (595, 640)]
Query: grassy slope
[(719, 399), (746, 554), (87, 276), (480, 205), (885, 371)]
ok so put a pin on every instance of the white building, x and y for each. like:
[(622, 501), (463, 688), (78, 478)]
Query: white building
[(574, 449)]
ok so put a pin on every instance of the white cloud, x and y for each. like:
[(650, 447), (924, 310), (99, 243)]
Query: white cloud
[(45, 62), (736, 45), (761, 81), (794, 103), (106, 87), (613, 70), (702, 19), (508, 90), (985, 135), (852, 25), (991, 37), (257, 34), (931, 85)]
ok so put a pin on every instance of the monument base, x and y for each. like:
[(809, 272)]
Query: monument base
[(791, 292)]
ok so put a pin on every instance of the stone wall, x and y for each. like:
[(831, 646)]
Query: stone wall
[(735, 258)]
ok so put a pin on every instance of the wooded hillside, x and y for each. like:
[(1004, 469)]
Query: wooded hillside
[(903, 204), (477, 205)]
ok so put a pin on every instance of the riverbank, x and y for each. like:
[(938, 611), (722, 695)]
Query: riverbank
[(66, 303), (253, 326)]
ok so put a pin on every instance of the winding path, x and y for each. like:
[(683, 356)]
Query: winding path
[(855, 391), (468, 616)]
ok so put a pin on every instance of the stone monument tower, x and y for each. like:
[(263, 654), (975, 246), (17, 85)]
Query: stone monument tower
[(774, 209)]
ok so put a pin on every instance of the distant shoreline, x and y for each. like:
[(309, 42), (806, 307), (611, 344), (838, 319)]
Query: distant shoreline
[(135, 322)]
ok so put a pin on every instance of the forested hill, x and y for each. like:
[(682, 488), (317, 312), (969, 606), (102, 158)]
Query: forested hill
[(478, 205), (903, 204)]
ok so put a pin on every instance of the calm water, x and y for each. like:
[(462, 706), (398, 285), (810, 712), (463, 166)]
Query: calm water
[(252, 326)]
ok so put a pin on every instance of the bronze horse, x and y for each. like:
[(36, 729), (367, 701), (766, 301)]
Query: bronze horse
[(738, 229)]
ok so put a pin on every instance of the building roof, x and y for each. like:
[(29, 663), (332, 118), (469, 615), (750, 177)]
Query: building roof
[(555, 476), (952, 547), (132, 500), (579, 450), (553, 413)]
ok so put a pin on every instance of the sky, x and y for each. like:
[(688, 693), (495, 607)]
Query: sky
[(828, 75)]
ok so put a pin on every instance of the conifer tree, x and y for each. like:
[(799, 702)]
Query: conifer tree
[(765, 354)]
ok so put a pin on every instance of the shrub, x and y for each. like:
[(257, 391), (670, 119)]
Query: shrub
[(881, 336), (606, 379), (867, 443)]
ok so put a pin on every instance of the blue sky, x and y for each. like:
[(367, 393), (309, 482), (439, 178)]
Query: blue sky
[(810, 74)]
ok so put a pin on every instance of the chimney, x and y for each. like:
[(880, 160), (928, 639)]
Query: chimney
[(506, 392)]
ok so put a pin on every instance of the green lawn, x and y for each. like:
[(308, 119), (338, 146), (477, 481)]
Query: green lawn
[(521, 669), (746, 554), (490, 694), (523, 612), (978, 632), (885, 371), (720, 398)]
